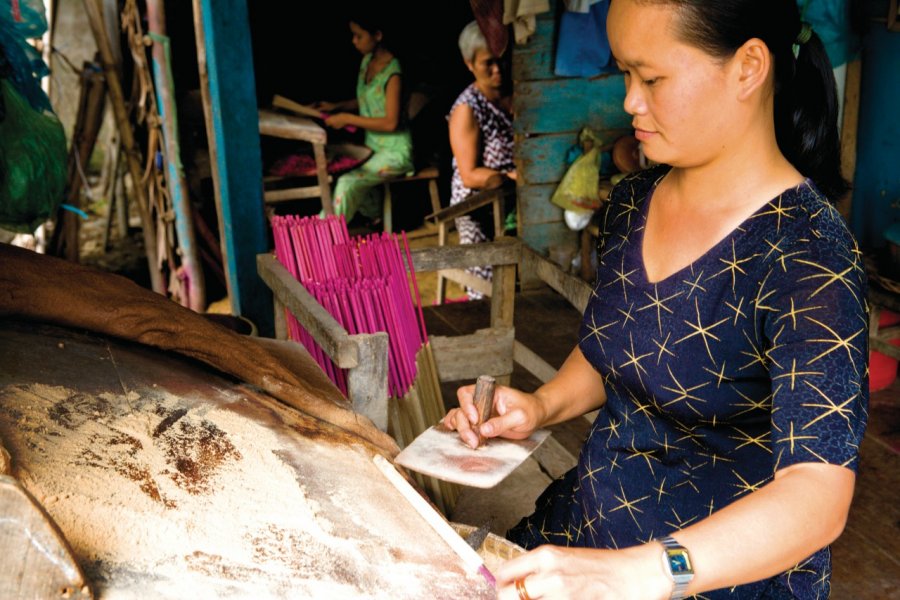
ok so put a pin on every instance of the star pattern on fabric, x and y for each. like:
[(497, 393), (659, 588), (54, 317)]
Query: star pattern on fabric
[(750, 359)]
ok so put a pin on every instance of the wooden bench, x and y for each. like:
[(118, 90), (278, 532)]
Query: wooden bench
[(444, 220)]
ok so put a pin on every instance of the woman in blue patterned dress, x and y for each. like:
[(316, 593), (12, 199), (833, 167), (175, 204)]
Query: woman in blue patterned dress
[(380, 112), (481, 138), (725, 343)]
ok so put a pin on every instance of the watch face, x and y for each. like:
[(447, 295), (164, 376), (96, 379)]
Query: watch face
[(679, 561)]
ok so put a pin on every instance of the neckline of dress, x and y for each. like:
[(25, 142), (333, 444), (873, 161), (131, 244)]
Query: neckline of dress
[(714, 249)]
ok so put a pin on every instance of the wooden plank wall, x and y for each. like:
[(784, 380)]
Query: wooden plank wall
[(549, 113)]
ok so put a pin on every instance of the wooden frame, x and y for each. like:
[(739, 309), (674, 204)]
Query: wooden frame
[(292, 127), (489, 351)]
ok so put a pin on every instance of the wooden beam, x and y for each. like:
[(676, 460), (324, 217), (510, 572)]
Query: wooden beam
[(849, 129), (463, 357), (572, 288), (327, 332), (463, 256), (237, 170), (533, 363)]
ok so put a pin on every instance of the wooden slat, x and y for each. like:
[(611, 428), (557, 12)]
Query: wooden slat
[(327, 332), (503, 296), (849, 129), (501, 252), (535, 60), (290, 127), (554, 458), (572, 288), (298, 193), (559, 105), (471, 203), (485, 352), (533, 363), (466, 279), (536, 207)]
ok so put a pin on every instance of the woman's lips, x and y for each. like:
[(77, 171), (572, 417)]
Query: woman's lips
[(643, 135)]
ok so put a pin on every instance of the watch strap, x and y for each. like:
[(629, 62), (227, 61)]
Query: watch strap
[(681, 580)]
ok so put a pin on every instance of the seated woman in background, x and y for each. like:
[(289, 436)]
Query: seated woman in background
[(380, 112), (481, 137)]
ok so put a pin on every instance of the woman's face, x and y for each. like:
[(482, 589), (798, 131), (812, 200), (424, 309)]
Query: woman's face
[(677, 94), (363, 40), (486, 69)]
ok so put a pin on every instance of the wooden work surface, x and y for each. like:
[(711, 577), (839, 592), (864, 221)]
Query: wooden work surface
[(170, 481), (291, 127)]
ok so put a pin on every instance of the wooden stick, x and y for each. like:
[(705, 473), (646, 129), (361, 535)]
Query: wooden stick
[(132, 153), (287, 104), (469, 557)]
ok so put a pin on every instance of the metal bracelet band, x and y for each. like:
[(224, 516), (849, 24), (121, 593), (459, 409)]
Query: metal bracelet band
[(678, 591)]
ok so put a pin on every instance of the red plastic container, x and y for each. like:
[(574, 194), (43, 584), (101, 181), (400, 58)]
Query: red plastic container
[(883, 368)]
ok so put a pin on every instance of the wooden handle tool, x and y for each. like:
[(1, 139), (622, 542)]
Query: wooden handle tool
[(484, 402)]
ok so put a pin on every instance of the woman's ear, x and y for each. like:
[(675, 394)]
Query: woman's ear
[(754, 62)]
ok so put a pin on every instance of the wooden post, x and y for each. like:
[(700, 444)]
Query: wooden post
[(849, 128), (234, 147), (177, 185), (132, 154), (367, 383)]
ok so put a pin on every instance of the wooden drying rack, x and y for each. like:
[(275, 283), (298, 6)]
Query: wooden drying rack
[(490, 351)]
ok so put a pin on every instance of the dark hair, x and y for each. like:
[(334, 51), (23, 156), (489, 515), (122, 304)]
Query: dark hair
[(805, 93), (373, 17)]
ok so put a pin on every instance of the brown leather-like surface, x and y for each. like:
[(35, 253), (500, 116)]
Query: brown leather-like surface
[(51, 290)]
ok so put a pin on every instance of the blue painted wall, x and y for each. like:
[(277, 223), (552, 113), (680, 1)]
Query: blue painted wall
[(549, 113)]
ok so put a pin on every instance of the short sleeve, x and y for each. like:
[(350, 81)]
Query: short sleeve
[(816, 329)]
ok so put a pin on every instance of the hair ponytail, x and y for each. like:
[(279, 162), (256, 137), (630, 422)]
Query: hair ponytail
[(806, 110), (805, 94)]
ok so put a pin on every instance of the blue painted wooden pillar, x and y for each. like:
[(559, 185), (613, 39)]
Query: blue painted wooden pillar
[(236, 152), (876, 193)]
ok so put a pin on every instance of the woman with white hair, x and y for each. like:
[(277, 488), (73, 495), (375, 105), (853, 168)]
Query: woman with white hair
[(481, 137)]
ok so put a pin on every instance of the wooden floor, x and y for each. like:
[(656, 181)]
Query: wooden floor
[(866, 558)]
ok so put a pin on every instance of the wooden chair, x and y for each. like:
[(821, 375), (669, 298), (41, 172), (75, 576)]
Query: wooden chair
[(444, 220), (429, 174), (292, 127)]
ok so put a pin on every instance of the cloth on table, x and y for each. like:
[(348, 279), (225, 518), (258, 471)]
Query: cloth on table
[(750, 359), (496, 131), (358, 190)]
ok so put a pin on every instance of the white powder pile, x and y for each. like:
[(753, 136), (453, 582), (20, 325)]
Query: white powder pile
[(219, 494)]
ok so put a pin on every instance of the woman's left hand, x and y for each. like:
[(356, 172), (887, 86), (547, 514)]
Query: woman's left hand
[(339, 121), (553, 572)]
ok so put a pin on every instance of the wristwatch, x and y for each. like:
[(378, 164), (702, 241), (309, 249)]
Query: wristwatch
[(677, 563)]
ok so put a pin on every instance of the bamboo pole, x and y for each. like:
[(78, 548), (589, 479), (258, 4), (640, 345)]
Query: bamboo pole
[(117, 99)]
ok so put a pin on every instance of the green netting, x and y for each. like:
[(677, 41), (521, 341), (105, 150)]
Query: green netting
[(32, 163)]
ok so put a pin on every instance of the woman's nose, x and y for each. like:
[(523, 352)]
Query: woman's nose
[(634, 99)]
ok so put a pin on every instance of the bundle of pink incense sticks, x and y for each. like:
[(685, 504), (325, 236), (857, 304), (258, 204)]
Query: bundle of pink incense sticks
[(362, 282)]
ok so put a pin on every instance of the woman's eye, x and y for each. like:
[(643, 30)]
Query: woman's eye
[(651, 81)]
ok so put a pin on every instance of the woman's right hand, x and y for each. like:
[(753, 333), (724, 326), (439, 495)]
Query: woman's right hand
[(517, 415)]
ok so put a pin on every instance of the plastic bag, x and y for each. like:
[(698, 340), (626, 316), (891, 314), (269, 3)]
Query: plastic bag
[(580, 186), (33, 163), (21, 62)]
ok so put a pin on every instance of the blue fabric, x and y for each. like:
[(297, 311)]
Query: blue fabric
[(24, 62), (750, 359), (830, 19), (582, 49)]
